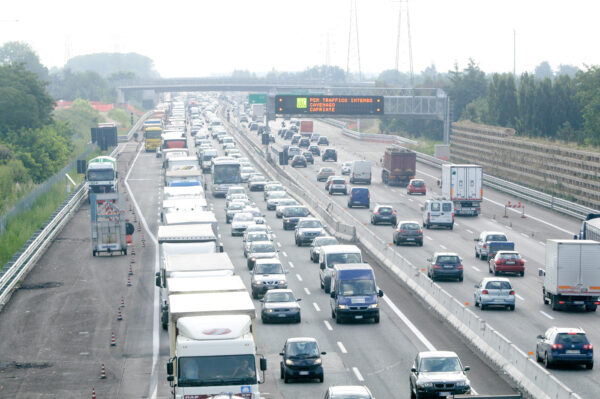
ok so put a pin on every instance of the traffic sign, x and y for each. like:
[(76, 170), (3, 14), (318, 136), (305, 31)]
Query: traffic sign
[(257, 98), (328, 105)]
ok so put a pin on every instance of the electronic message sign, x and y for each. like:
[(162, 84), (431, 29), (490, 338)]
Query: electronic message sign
[(328, 105)]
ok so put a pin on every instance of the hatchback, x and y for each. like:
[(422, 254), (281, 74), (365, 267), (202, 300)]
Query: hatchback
[(318, 243), (416, 186), (408, 232), (309, 157), (348, 392), (336, 184), (564, 345), (315, 137), (346, 167), (507, 262), (301, 360), (329, 153), (384, 214), (288, 134), (296, 139), (445, 265), (304, 142), (299, 162), (325, 173), (323, 141), (494, 291), (315, 150)]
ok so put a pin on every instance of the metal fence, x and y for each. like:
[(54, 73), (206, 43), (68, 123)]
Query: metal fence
[(530, 377)]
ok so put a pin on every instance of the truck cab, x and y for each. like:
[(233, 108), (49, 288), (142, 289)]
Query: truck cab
[(354, 294)]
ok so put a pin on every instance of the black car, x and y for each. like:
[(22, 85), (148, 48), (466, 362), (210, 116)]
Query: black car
[(447, 265), (304, 142), (408, 232), (309, 157), (315, 150), (438, 373), (296, 139), (384, 214), (323, 141), (301, 360), (288, 134), (291, 215), (315, 137), (299, 162), (564, 346), (330, 153)]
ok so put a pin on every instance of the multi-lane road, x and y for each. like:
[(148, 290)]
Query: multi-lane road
[(56, 330)]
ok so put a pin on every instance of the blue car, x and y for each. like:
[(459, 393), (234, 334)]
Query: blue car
[(564, 345), (359, 196)]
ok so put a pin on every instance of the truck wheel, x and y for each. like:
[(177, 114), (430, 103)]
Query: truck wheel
[(93, 253), (555, 305)]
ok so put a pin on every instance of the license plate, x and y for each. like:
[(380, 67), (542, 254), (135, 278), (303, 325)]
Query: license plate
[(579, 302), (281, 315), (573, 352), (510, 263), (498, 300), (358, 317), (444, 394), (303, 373), (410, 239), (448, 266)]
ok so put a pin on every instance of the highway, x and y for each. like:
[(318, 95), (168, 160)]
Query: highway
[(57, 328), (531, 316)]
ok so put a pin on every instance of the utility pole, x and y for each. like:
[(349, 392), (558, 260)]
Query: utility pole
[(353, 10), (409, 37)]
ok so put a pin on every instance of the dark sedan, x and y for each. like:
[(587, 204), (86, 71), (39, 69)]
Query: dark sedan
[(309, 157), (299, 162), (280, 305)]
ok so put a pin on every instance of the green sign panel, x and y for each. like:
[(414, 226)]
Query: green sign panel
[(257, 98)]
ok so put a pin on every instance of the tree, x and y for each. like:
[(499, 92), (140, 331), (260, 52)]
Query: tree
[(544, 71), (24, 102), (393, 78), (466, 86), (526, 103), (588, 94), (502, 100), (543, 108), (569, 70), (20, 52), (105, 64)]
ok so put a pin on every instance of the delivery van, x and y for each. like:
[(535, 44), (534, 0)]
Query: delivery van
[(354, 294)]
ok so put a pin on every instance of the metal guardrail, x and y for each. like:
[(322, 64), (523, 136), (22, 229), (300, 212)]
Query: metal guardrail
[(528, 194), (34, 248), (523, 370)]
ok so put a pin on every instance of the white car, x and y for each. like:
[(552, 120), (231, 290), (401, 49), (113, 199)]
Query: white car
[(346, 168), (240, 223)]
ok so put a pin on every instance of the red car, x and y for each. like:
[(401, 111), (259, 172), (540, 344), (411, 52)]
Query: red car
[(416, 186), (507, 262)]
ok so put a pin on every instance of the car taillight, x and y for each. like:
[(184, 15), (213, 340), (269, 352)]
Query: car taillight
[(403, 231), (459, 267), (420, 231), (511, 293), (557, 346), (437, 266), (588, 346), (428, 216), (499, 262), (485, 292), (484, 246), (453, 216)]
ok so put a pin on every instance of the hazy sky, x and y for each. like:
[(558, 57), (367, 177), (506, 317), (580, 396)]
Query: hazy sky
[(200, 38)]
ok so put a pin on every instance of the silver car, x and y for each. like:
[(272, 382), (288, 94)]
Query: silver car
[(240, 223), (346, 168), (494, 291), (280, 305), (261, 250), (307, 229), (273, 199), (318, 242), (282, 204), (269, 188), (233, 208), (267, 274), (249, 238)]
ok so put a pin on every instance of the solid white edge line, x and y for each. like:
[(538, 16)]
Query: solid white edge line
[(357, 374), (409, 324), (519, 297), (156, 305), (342, 347), (279, 244), (429, 238), (468, 231), (317, 308), (443, 247), (524, 235), (328, 325)]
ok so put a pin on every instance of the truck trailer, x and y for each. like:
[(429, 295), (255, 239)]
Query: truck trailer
[(572, 274), (463, 185), (108, 224), (399, 166)]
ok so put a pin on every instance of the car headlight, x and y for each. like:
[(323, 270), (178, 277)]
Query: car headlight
[(282, 282), (258, 282), (288, 362), (269, 310), (253, 259), (461, 383), (373, 306), (343, 306), (425, 384), (318, 361)]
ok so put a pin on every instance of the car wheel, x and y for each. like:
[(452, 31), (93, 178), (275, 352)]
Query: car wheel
[(326, 287), (537, 356), (338, 319), (420, 243), (332, 314), (254, 294), (412, 394), (298, 319), (476, 303), (476, 254), (522, 274), (482, 257), (589, 366), (376, 319), (322, 285), (547, 363), (349, 205), (321, 378), (511, 308), (496, 273), (460, 279), (482, 306)]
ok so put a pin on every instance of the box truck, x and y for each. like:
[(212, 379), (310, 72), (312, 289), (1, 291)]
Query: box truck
[(463, 185)]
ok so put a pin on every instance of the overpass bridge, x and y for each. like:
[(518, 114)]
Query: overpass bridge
[(409, 103)]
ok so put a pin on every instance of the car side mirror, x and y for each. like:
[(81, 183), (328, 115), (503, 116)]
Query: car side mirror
[(380, 293), (467, 368), (263, 364), (278, 249), (322, 266), (428, 259), (476, 286), (261, 300), (333, 295), (298, 299), (475, 239), (170, 368), (323, 353), (540, 337), (281, 354), (157, 280), (413, 369)]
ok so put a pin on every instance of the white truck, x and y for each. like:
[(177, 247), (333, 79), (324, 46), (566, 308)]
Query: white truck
[(213, 354), (102, 175), (183, 205), (183, 192), (186, 261), (463, 185), (109, 227), (258, 112), (572, 275)]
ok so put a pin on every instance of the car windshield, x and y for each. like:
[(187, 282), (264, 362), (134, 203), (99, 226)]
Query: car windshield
[(498, 285), (439, 364), (279, 297), (100, 174), (336, 259), (243, 217), (257, 237), (410, 226), (216, 370), (321, 242), (418, 183), (448, 260), (287, 202), (571, 339), (278, 194), (357, 287), (263, 247), (302, 349), (237, 190), (295, 211), (268, 268), (274, 187), (385, 211), (234, 206), (256, 228), (496, 237), (258, 178), (510, 256), (309, 224)]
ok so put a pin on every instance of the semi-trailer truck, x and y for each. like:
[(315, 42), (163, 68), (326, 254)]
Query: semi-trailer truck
[(463, 185)]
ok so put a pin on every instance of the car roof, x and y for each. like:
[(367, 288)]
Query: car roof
[(261, 261), (563, 330), (342, 248), (384, 206), (507, 252), (281, 290), (308, 218), (407, 221), (262, 243), (445, 254), (493, 232), (349, 390), (488, 279), (437, 354), (301, 339)]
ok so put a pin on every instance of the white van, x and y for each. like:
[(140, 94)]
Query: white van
[(438, 212), (334, 255), (360, 172)]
